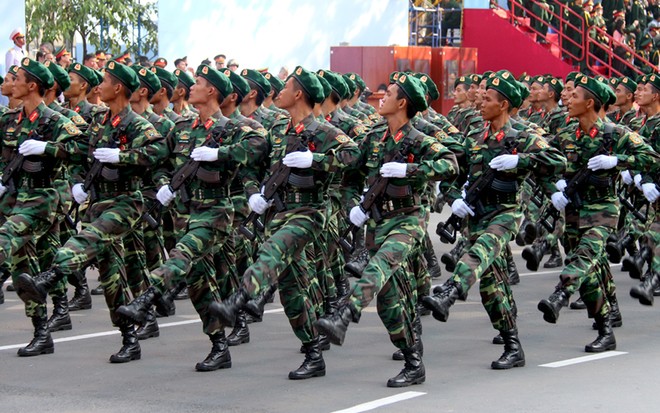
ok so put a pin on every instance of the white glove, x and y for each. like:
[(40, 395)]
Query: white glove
[(3, 189), (638, 181), (357, 216), (204, 154), (559, 200), (650, 192), (32, 147), (165, 195), (79, 193), (258, 203), (299, 159), (504, 162), (394, 170), (602, 162), (107, 155), (627, 178), (561, 185), (461, 209)]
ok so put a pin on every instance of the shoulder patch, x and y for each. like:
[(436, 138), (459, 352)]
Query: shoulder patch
[(541, 143), (71, 129), (453, 129), (436, 147), (78, 120), (246, 129), (341, 138), (635, 138), (150, 133)]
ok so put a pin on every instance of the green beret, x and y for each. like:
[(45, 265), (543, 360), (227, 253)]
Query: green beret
[(165, 76), (147, 78), (476, 79), (463, 80), (99, 76), (327, 89), (525, 78), (216, 79), (309, 82), (555, 83), (598, 89), (611, 97), (85, 72), (127, 76), (504, 74), (430, 85), (506, 89), (523, 90), (629, 84), (487, 74), (59, 74), (654, 80), (275, 82), (238, 82), (413, 89), (602, 79), (256, 78), (351, 85), (13, 69), (614, 82), (641, 79), (184, 78), (571, 76), (359, 82), (336, 82), (2, 79), (38, 71)]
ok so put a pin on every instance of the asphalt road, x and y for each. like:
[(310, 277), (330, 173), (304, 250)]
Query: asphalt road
[(79, 378)]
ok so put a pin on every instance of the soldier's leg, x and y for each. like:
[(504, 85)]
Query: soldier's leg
[(154, 243), (135, 258)]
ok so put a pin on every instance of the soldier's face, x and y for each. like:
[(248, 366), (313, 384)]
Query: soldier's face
[(200, 91), (535, 92), (566, 93), (622, 95), (577, 105), (390, 102), (460, 95), (21, 86), (646, 95), (8, 85), (481, 92), (287, 96), (107, 88), (472, 92), (491, 107)]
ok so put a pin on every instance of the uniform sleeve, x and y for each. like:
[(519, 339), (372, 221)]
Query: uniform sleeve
[(339, 151), (250, 151), (545, 162), (633, 153), (67, 142), (436, 162), (148, 147)]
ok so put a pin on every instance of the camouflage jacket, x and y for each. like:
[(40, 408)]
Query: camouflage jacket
[(554, 120), (631, 119), (90, 112)]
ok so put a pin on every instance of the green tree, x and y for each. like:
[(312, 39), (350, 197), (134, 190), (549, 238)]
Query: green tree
[(61, 20)]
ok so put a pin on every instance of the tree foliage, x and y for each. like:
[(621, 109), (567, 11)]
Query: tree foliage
[(58, 21)]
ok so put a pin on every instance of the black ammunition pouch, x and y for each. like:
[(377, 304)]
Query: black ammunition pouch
[(30, 181), (208, 192), (119, 187), (209, 177), (295, 198), (301, 181)]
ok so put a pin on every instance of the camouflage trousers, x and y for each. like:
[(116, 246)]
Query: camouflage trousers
[(485, 260), (209, 229), (32, 217), (588, 270), (391, 243), (135, 259), (282, 259), (105, 224), (233, 260)]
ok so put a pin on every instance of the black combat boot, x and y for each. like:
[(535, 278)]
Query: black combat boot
[(60, 319), (432, 264), (97, 291), (531, 232), (219, 357), (130, 349), (42, 343), (138, 309), (513, 355), (533, 255), (605, 340), (420, 309), (241, 333), (417, 326), (635, 264), (356, 265), (343, 287), (451, 258), (183, 294), (255, 307), (617, 248), (578, 305), (615, 313), (335, 325), (439, 303), (313, 366), (555, 259), (227, 310), (150, 327), (413, 371), (550, 307), (514, 277), (645, 291), (36, 288), (165, 306), (498, 339), (10, 287), (82, 299)]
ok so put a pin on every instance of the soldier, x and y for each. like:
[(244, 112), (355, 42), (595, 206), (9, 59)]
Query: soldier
[(276, 87), (404, 159), (508, 155), (125, 145), (625, 114), (219, 145), (351, 97), (592, 214), (181, 94), (282, 258), (44, 138), (461, 101), (161, 100), (252, 105), (7, 87), (83, 80)]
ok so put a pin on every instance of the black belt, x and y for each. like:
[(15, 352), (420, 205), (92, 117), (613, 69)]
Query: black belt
[(117, 187), (300, 181), (398, 191), (593, 194), (600, 182), (34, 181), (500, 185), (215, 192), (498, 198), (306, 198)]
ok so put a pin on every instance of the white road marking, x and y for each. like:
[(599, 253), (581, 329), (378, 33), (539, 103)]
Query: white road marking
[(584, 359), (112, 332), (364, 407)]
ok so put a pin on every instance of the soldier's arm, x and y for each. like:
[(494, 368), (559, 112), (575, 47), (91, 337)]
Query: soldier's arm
[(354, 176), (545, 162), (251, 152), (67, 142), (148, 147), (633, 153), (338, 151), (435, 163)]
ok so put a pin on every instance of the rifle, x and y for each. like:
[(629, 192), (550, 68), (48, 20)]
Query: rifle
[(571, 192), (13, 167), (630, 206), (447, 231), (271, 186), (374, 193)]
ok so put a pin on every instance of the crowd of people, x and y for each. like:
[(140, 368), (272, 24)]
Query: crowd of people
[(227, 186)]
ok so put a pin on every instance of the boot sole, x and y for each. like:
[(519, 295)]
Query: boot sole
[(27, 289), (588, 349), (548, 314), (78, 308), (115, 360), (147, 336), (436, 314), (529, 264), (50, 350), (519, 363), (334, 339), (213, 368), (308, 376), (406, 384), (60, 328), (644, 300), (237, 342)]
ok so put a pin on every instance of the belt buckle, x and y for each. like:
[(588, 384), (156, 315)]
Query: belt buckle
[(390, 205), (297, 197)]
